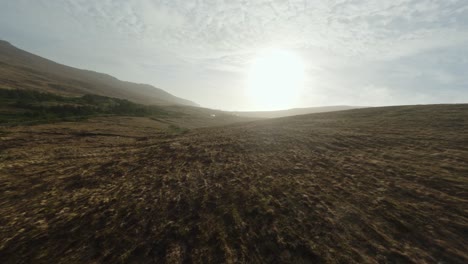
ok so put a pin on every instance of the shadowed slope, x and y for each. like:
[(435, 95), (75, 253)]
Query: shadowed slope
[(383, 185), (22, 70)]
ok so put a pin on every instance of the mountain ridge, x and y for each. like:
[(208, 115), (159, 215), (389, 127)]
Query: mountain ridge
[(21, 69)]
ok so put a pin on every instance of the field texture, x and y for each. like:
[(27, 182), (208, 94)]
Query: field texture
[(381, 185)]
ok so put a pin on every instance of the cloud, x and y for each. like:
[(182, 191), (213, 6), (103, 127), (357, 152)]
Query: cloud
[(179, 45)]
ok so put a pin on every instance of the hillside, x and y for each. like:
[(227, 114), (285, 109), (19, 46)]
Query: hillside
[(22, 70), (30, 107), (376, 185), (294, 111)]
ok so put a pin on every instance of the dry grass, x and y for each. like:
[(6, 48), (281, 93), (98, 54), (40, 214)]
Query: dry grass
[(382, 185)]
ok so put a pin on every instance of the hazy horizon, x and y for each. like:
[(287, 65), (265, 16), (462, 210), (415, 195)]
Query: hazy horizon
[(222, 54)]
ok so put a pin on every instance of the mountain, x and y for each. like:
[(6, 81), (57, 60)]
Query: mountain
[(294, 111), (20, 69)]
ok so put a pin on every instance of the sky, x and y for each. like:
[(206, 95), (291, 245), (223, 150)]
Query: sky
[(355, 52)]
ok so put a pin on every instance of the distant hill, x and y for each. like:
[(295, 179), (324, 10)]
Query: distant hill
[(294, 111), (23, 70)]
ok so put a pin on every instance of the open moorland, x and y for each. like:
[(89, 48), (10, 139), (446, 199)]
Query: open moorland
[(377, 185)]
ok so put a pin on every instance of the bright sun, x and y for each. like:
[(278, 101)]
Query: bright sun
[(276, 79)]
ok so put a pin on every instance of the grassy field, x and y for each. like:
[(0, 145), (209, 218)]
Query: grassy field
[(19, 107), (30, 107), (380, 185)]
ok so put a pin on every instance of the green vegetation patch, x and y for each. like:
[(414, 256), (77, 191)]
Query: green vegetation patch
[(177, 129), (19, 107)]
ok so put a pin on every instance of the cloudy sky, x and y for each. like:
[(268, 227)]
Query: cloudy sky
[(356, 52)]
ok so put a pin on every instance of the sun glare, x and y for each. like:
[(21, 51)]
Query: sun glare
[(276, 79)]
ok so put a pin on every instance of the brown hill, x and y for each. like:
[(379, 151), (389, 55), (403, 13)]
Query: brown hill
[(377, 185), (22, 70), (294, 111)]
